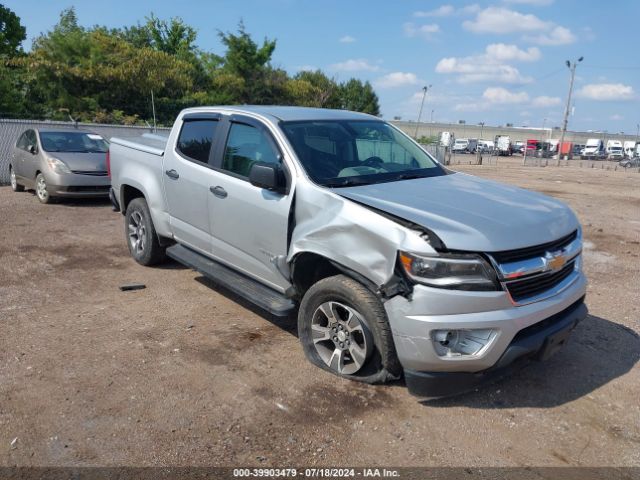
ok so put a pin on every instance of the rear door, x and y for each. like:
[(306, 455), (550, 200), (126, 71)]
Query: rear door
[(188, 173), (249, 224), (18, 155), (31, 162)]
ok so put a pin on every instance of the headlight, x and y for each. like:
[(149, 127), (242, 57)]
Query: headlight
[(461, 272), (58, 166)]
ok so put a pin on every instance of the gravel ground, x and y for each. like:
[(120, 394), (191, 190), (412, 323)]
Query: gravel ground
[(182, 373)]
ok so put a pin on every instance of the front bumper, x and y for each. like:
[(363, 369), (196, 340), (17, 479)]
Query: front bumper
[(413, 320), (537, 342), (77, 185)]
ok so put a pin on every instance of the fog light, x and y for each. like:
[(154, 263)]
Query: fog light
[(452, 343)]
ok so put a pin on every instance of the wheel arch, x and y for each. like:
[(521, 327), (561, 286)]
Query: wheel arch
[(308, 268)]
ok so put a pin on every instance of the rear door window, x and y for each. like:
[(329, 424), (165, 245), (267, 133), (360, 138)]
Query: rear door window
[(196, 138)]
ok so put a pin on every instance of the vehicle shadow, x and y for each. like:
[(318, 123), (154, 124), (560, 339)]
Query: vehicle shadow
[(598, 352), (287, 324)]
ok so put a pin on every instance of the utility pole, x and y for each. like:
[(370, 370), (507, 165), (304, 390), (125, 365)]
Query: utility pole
[(572, 67), (424, 95)]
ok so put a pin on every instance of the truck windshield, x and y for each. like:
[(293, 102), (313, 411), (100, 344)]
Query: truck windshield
[(346, 153), (73, 142)]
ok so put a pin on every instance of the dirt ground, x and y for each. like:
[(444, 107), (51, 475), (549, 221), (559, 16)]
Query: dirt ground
[(182, 373)]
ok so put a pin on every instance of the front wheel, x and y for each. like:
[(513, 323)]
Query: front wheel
[(343, 328), (41, 189), (15, 186), (142, 239)]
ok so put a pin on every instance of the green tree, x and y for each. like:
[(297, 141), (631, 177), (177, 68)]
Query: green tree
[(315, 89), (359, 97), (12, 33), (257, 81), (86, 71)]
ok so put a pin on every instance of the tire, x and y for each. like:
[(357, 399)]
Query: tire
[(15, 186), (140, 233), (41, 190), (368, 353)]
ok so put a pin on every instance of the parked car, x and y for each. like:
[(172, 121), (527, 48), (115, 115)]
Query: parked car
[(577, 150), (630, 162), (461, 145), (486, 146), (68, 163), (395, 265), (518, 147)]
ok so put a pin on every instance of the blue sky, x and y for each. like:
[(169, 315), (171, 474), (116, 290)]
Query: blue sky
[(496, 62)]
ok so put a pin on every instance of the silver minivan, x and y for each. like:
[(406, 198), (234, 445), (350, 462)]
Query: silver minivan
[(59, 163)]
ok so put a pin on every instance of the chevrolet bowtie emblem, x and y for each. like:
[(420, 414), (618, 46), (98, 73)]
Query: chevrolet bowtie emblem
[(555, 260)]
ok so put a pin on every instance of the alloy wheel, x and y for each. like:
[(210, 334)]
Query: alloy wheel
[(137, 233), (341, 337)]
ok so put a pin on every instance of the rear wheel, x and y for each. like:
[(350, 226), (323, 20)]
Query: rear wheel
[(142, 239), (41, 189), (343, 328), (15, 186)]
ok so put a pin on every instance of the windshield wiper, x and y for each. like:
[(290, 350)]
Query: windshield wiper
[(348, 182), (409, 176)]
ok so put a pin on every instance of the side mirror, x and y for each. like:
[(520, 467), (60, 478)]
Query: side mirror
[(32, 149), (268, 176)]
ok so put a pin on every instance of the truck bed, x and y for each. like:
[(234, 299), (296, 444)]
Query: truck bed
[(153, 143)]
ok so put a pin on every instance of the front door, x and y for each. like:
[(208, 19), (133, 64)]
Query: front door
[(187, 171), (249, 224)]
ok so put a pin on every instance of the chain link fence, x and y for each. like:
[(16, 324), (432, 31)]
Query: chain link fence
[(446, 157), (614, 165), (11, 129)]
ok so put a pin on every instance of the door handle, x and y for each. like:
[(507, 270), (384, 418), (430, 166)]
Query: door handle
[(172, 174), (218, 191)]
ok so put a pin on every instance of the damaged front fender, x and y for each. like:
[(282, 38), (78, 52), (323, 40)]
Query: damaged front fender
[(350, 234)]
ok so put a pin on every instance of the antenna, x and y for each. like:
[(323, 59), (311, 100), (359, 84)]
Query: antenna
[(153, 107)]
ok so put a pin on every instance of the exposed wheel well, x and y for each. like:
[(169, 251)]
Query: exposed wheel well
[(128, 193), (309, 268)]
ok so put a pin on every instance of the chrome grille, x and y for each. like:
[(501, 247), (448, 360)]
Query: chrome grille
[(94, 173), (509, 256), (531, 287), (535, 273)]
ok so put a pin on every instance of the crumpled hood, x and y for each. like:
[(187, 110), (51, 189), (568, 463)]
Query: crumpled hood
[(82, 161), (471, 213)]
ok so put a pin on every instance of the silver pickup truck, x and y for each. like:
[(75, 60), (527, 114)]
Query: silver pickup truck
[(395, 265)]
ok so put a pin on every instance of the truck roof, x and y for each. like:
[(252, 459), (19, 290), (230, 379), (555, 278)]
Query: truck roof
[(288, 114)]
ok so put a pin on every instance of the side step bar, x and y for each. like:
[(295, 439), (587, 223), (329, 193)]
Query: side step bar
[(251, 290)]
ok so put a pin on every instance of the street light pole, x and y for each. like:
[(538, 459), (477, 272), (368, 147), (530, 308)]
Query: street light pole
[(572, 67), (424, 95)]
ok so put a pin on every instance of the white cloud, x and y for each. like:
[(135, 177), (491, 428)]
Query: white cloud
[(448, 10), (505, 53), (616, 117), (397, 79), (306, 68), (499, 95), (427, 31), (501, 21), (347, 39), (556, 36), (442, 11), (354, 65), (490, 66), (535, 3), (544, 101), (607, 92)]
